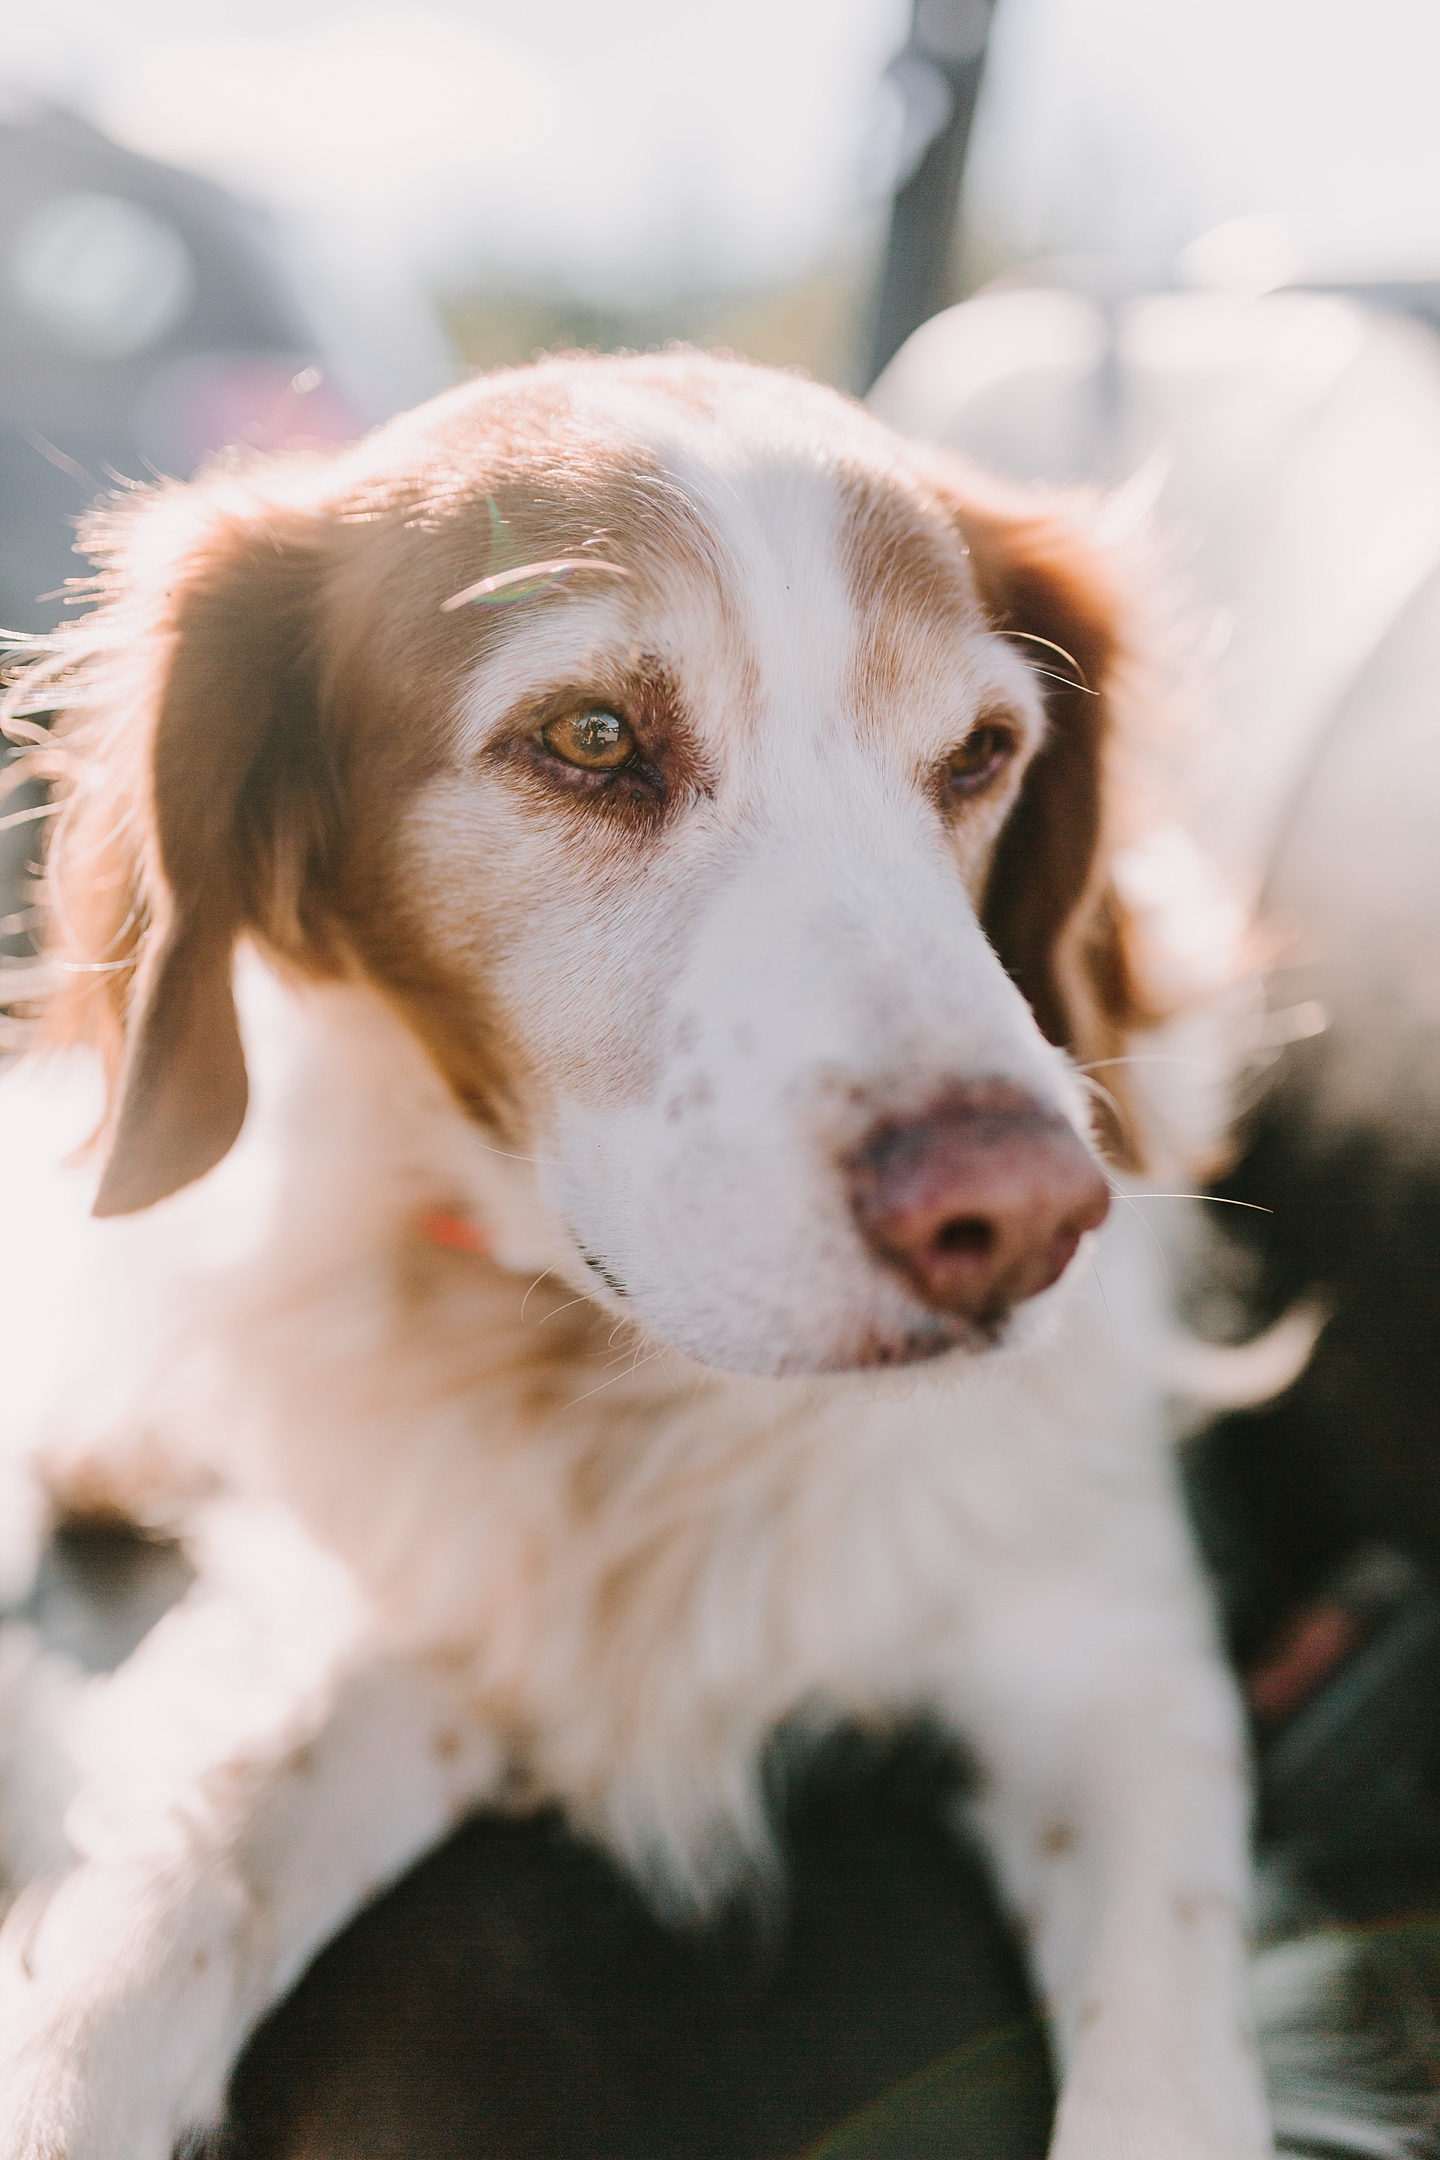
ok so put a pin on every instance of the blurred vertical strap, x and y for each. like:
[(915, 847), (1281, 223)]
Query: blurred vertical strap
[(992, 2099), (938, 77)]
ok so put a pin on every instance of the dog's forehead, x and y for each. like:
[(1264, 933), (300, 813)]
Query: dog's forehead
[(767, 529), (778, 480)]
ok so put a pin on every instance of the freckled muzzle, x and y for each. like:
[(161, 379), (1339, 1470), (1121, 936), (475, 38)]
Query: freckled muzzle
[(979, 1204)]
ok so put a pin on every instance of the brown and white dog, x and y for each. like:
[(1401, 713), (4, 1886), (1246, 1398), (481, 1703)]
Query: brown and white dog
[(592, 909)]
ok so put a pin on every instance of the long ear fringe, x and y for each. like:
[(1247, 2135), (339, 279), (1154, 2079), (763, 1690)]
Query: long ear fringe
[(161, 702)]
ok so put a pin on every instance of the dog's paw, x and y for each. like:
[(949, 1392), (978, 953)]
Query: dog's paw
[(54, 2105), (1120, 2115), (100, 2059), (1145, 2136)]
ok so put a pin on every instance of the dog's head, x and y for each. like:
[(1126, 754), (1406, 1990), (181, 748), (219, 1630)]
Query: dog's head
[(716, 787)]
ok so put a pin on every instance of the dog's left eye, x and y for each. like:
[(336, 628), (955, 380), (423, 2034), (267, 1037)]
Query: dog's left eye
[(596, 741), (985, 752)]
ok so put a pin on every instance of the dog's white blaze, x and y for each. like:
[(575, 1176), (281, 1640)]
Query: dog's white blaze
[(801, 959), (837, 976)]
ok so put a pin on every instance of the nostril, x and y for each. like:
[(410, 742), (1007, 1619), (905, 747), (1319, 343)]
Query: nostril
[(979, 1205), (967, 1237)]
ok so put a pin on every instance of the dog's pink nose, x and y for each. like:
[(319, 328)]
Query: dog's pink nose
[(982, 1203)]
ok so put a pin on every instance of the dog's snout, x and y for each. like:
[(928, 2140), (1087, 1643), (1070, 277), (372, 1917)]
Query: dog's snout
[(980, 1204)]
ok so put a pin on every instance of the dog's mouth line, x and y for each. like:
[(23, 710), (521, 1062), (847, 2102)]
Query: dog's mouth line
[(598, 1265), (924, 1346), (939, 1335)]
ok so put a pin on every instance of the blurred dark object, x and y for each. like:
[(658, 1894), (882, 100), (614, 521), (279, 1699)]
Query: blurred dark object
[(513, 1999), (1350, 1784), (100, 1588), (148, 322), (938, 76), (1344, 1466), (1345, 1697), (1351, 1454)]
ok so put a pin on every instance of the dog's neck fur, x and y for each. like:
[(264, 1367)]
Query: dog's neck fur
[(567, 1495), (581, 1518)]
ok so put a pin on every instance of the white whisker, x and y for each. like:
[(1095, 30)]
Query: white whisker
[(1029, 637), (1049, 675), (626, 1349), (674, 1383), (1211, 1200), (1116, 1194), (611, 1382), (582, 1300), (1109, 1322), (1106, 1097), (1144, 1057), (533, 1287), (525, 581)]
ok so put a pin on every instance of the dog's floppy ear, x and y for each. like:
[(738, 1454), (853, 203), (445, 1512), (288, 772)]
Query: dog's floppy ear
[(197, 811), (1051, 909)]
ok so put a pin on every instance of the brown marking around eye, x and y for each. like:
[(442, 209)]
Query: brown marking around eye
[(395, 670), (664, 771), (980, 765)]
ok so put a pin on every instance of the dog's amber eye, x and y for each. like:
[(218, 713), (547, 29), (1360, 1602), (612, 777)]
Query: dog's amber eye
[(597, 741), (983, 754)]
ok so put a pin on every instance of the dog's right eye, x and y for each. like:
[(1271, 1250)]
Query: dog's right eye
[(596, 741)]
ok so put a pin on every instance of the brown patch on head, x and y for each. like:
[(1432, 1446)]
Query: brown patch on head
[(545, 447), (667, 769), (270, 680), (907, 573)]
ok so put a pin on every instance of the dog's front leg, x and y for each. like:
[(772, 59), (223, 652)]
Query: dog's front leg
[(1114, 1802), (257, 1770)]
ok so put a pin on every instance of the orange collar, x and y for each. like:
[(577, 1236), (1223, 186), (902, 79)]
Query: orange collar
[(455, 1231)]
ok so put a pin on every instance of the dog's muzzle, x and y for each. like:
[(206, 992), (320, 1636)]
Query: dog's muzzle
[(979, 1204)]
